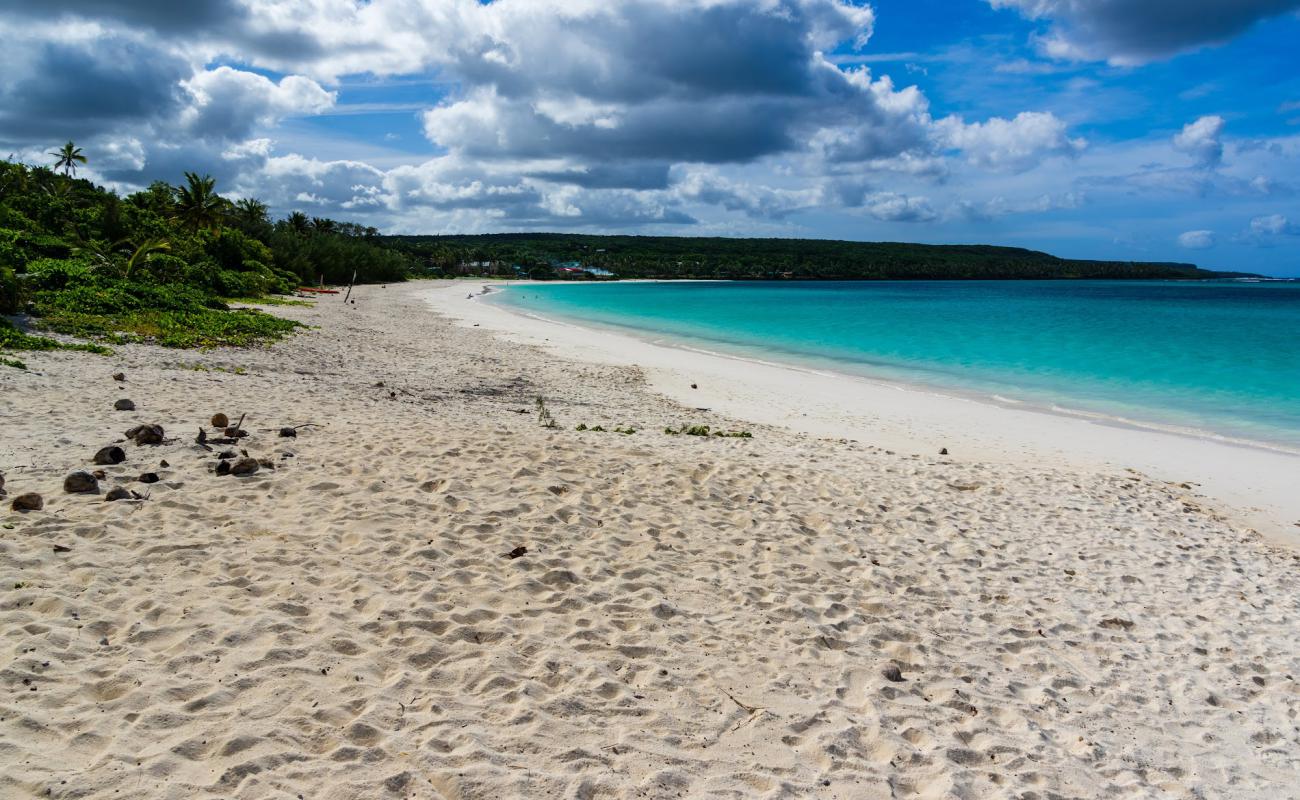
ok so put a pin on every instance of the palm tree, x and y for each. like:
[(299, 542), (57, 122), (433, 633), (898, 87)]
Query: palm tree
[(298, 221), (198, 205), (69, 156), (250, 210), (322, 225), (142, 253)]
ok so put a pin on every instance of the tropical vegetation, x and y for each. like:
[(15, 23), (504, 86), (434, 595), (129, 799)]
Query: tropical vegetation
[(161, 264), (536, 254)]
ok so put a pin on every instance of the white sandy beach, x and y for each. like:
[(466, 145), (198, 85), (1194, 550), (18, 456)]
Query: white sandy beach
[(1258, 484), (829, 609)]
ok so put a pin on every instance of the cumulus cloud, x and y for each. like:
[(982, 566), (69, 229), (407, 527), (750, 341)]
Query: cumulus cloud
[(1273, 225), (547, 112), (1196, 240), (1011, 144), (1131, 32), (1203, 141), (891, 207), (229, 104)]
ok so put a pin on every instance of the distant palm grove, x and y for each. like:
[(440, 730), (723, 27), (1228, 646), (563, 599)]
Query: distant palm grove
[(161, 264)]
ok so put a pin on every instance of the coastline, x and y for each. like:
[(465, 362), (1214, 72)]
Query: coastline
[(425, 592), (1253, 482)]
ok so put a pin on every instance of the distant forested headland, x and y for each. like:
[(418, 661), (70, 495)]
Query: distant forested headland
[(544, 255)]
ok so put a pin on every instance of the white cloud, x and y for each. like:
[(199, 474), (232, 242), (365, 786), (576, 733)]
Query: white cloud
[(1011, 144), (1273, 225), (1131, 32), (1196, 240), (1202, 140), (227, 103), (892, 207)]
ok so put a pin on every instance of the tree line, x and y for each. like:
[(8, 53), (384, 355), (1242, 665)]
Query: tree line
[(769, 259)]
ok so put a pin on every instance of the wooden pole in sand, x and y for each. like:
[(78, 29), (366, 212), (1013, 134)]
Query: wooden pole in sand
[(354, 280)]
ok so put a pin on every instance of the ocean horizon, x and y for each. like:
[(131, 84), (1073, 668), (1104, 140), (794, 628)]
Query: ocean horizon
[(1207, 358)]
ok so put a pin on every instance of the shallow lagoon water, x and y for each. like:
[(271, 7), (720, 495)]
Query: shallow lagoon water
[(1219, 358)]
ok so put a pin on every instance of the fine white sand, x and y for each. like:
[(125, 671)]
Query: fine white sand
[(1259, 485), (792, 615)]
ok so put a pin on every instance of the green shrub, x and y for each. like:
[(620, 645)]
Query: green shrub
[(9, 295)]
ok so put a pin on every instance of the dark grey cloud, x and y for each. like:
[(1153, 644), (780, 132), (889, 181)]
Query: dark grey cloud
[(1137, 31), (80, 89)]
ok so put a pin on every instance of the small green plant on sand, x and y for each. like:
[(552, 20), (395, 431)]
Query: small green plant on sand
[(13, 339), (703, 430), (12, 362), (544, 417), (582, 426)]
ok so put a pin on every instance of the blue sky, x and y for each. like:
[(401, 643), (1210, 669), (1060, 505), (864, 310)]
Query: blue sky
[(1118, 129)]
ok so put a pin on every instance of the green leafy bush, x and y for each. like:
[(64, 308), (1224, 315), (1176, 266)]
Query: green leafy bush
[(9, 295)]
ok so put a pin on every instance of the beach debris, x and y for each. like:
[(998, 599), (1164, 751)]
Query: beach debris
[(119, 376), (965, 487), (220, 420), (110, 455), (893, 673), (558, 490), (1115, 623), (694, 386), (148, 477), (516, 553), (236, 431), (223, 467), (226, 455), (99, 474), (146, 434), (943, 451), (119, 493), (30, 501), (62, 548), (164, 464), (2, 484), (124, 405), (244, 466), (80, 482), (291, 431)]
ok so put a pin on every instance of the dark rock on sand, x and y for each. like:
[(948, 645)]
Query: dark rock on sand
[(223, 467), (893, 673), (220, 420), (119, 376), (148, 477), (110, 455), (943, 451), (124, 405), (517, 552), (226, 455), (289, 433), (80, 482), (146, 434), (245, 466), (28, 502), (119, 493)]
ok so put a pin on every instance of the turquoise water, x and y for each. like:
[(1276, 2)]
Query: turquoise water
[(1217, 357)]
